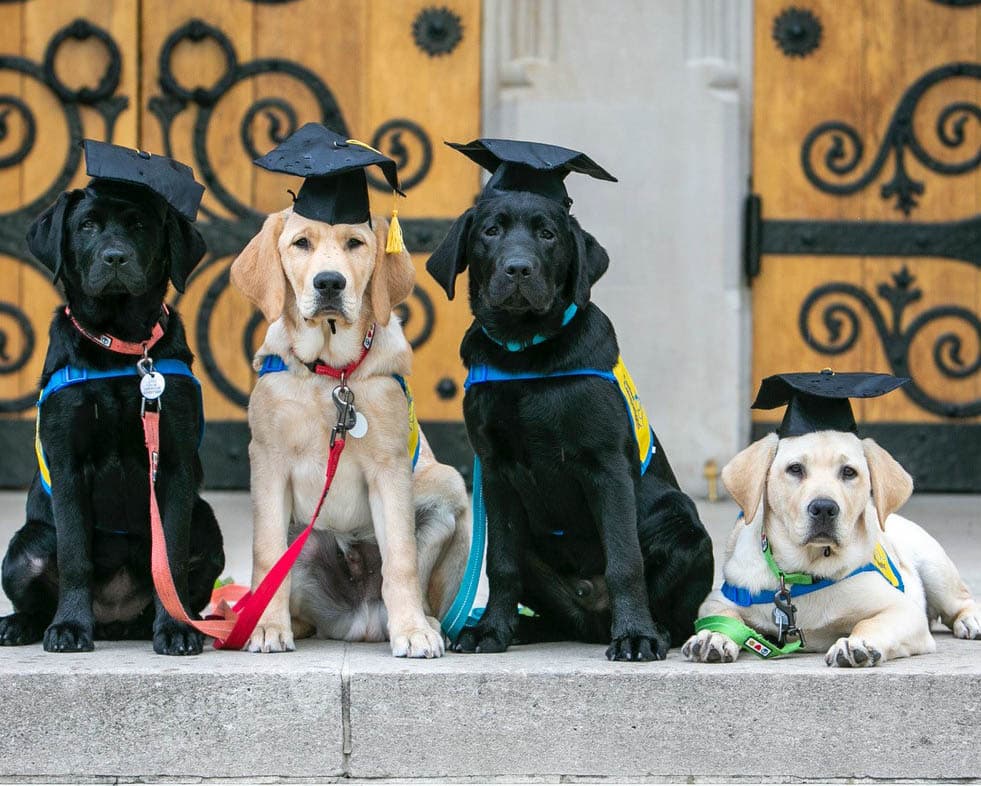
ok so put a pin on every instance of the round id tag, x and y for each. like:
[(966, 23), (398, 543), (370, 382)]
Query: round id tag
[(360, 427), (152, 385)]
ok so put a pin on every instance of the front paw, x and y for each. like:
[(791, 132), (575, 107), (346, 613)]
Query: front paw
[(272, 637), (176, 638), (482, 639), (853, 652), (966, 626), (417, 641), (707, 646), (640, 646), (68, 637), (18, 629)]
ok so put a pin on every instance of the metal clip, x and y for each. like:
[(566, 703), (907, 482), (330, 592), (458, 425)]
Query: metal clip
[(785, 616), (346, 414)]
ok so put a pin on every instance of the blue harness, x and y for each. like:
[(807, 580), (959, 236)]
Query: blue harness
[(69, 376)]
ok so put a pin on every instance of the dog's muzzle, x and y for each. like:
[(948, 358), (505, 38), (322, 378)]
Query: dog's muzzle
[(823, 515), (517, 285), (329, 289)]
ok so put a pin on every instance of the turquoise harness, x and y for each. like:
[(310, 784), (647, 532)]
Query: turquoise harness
[(68, 376)]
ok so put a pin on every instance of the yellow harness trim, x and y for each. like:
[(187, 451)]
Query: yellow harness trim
[(882, 564), (642, 428)]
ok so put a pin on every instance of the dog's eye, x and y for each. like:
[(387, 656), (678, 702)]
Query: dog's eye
[(89, 225), (849, 473), (546, 234), (354, 242), (795, 469), (491, 231), (301, 242)]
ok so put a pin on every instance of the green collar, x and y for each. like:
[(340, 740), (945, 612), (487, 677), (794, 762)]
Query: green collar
[(785, 578)]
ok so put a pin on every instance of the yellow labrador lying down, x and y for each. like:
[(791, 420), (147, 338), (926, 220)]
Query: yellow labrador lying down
[(824, 495), (304, 275)]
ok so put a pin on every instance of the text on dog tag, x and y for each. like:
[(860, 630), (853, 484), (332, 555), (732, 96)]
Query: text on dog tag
[(152, 385)]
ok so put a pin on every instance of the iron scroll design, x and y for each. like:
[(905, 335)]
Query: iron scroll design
[(846, 150), (842, 322), (265, 123), (16, 113)]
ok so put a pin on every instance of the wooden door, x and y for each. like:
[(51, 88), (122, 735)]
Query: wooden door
[(215, 85), (864, 232)]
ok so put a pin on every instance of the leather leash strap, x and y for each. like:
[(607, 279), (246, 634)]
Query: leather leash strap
[(231, 627)]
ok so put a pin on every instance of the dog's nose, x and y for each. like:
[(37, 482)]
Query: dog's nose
[(114, 257), (517, 267), (823, 510), (329, 283)]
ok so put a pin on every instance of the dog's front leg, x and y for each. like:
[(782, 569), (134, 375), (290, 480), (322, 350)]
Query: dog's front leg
[(611, 495), (411, 633), (507, 523), (73, 624), (895, 632), (709, 646), (271, 513), (176, 493)]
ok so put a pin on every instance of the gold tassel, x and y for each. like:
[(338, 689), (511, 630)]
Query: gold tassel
[(396, 243)]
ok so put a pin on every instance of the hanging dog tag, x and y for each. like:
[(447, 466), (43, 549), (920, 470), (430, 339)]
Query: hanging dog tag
[(152, 385), (782, 622), (360, 427)]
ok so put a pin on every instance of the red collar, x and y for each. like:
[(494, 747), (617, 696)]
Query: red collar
[(114, 344), (321, 368)]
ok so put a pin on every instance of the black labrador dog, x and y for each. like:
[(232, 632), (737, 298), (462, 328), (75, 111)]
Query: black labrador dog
[(79, 568), (600, 552)]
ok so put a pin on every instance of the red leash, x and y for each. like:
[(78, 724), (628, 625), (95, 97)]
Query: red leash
[(231, 627)]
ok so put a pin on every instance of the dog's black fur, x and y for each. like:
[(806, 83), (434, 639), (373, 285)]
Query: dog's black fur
[(634, 562), (79, 569)]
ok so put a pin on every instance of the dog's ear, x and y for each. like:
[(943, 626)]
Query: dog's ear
[(593, 262), (258, 270), (46, 235), (891, 484), (186, 248), (450, 257), (745, 475), (393, 277)]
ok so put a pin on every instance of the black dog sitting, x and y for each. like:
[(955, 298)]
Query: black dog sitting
[(597, 548), (80, 567)]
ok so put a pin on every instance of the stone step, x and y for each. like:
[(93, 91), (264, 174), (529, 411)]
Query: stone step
[(544, 713)]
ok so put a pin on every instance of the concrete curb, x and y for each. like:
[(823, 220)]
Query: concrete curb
[(544, 713)]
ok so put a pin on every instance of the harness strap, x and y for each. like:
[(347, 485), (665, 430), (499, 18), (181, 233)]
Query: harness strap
[(324, 370), (459, 611), (518, 346), (745, 636), (230, 627), (114, 344)]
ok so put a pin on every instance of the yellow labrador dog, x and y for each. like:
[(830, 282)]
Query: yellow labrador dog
[(828, 501), (322, 287)]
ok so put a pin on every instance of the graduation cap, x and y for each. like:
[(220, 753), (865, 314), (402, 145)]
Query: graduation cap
[(529, 166), (335, 187), (819, 402), (172, 181)]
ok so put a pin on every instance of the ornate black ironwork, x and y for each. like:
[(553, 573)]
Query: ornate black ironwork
[(417, 322), (388, 139), (17, 113), (437, 31), (843, 325), (846, 149), (958, 3), (797, 32)]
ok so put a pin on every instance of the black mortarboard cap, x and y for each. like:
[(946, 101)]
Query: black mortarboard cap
[(335, 188), (529, 166), (819, 402), (171, 180)]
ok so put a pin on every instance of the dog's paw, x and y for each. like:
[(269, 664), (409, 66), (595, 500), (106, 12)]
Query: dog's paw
[(640, 646), (710, 647), (853, 652), (966, 626), (176, 638), (434, 624), (272, 638), (418, 642), (480, 639), (68, 637), (19, 629)]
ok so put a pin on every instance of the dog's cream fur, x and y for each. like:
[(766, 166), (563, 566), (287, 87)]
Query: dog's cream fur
[(860, 621), (375, 494)]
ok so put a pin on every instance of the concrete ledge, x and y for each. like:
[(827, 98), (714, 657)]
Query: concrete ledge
[(547, 713)]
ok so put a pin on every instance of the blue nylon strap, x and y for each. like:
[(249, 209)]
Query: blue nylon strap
[(271, 364), (518, 346), (743, 597), (459, 613)]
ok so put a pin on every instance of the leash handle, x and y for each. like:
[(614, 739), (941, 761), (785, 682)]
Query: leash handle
[(745, 636), (231, 628)]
